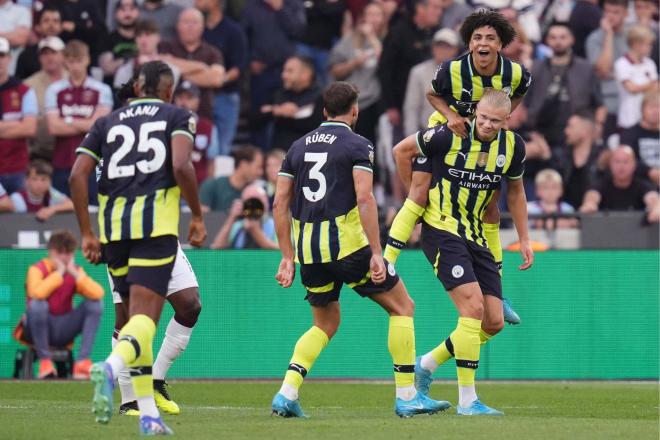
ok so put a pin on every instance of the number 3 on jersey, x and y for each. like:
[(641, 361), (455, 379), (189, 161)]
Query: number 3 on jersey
[(145, 144), (319, 159)]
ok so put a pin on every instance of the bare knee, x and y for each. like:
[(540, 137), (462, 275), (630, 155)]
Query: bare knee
[(405, 307), (493, 327), (187, 306), (329, 323)]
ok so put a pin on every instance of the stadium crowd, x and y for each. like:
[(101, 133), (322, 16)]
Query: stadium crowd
[(253, 72)]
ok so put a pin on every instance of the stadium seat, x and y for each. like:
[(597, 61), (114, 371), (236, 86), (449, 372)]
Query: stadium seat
[(62, 357)]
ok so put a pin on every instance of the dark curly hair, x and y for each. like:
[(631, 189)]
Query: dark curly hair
[(485, 17)]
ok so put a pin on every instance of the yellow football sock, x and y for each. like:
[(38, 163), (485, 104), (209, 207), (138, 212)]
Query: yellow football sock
[(135, 348), (467, 345), (492, 234), (401, 343), (133, 338), (443, 352), (401, 229), (308, 348)]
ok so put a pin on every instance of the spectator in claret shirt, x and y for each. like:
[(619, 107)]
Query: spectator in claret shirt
[(39, 197), (229, 38), (72, 106), (18, 121), (205, 148), (271, 26)]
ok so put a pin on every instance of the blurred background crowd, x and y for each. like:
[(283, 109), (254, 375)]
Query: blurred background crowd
[(253, 72)]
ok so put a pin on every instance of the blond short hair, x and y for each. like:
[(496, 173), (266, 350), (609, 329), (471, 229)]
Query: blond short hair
[(548, 175), (639, 34), (76, 49), (496, 98)]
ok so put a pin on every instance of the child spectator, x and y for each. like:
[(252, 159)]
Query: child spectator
[(50, 319), (39, 196), (635, 74), (549, 189)]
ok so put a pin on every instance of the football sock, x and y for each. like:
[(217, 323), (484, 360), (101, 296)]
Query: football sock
[(401, 344), (124, 378), (134, 347), (176, 340), (467, 345), (438, 356), (492, 234), (484, 337), (307, 350), (401, 229)]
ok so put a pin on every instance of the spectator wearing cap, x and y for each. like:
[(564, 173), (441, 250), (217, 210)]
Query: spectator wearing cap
[(199, 62), (72, 106), (164, 13), (416, 107), (604, 46), (18, 122), (147, 40), (635, 75), (622, 190), (229, 38), (15, 25), (564, 84), (355, 59), (297, 107), (39, 197), (205, 148), (324, 21), (49, 24), (51, 58), (272, 27), (119, 47)]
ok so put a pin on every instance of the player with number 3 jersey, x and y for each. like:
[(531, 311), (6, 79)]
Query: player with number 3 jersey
[(326, 219)]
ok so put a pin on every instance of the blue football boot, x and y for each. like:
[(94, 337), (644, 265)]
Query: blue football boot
[(420, 404), (477, 409), (423, 377), (284, 407), (510, 315), (154, 426), (101, 376)]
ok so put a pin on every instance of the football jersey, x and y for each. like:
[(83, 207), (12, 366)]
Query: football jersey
[(138, 195), (76, 102), (461, 86), (466, 172), (326, 220)]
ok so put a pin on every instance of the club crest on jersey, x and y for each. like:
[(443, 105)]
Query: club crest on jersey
[(482, 159), (507, 90), (192, 125), (428, 135), (421, 160), (501, 160)]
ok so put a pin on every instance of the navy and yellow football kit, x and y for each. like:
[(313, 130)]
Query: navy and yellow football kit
[(328, 238), (465, 173), (461, 86), (138, 195)]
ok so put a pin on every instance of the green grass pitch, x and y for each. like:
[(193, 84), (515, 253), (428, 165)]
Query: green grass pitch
[(241, 410)]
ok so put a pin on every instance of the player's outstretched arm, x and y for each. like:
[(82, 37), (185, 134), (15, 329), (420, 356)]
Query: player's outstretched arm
[(366, 202), (78, 182), (517, 202), (404, 152), (406, 219), (282, 218), (184, 173)]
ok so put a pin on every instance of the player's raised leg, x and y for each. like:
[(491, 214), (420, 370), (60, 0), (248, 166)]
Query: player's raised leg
[(307, 350)]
